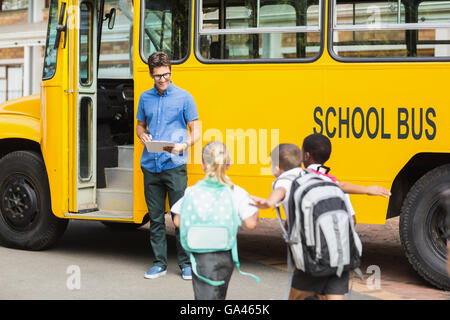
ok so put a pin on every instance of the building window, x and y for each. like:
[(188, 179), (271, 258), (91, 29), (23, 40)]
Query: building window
[(6, 5), (11, 82), (262, 29), (391, 29)]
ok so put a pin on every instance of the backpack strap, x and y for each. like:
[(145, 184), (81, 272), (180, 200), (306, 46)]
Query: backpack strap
[(324, 174), (234, 254), (208, 281), (291, 178), (283, 229)]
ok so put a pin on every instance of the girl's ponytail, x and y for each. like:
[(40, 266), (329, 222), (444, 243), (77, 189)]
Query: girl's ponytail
[(216, 158)]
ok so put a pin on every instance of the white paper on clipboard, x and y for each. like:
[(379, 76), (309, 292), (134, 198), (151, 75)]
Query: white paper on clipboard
[(157, 146)]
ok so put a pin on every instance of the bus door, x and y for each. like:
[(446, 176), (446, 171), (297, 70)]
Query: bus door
[(83, 135)]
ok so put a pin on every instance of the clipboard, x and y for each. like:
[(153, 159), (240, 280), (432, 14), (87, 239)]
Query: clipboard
[(157, 146)]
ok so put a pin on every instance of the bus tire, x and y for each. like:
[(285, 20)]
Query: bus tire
[(422, 227), (26, 219)]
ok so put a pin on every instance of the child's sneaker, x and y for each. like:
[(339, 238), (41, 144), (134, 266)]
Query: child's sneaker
[(155, 272), (186, 273)]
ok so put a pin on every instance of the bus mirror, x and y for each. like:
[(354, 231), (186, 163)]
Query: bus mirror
[(111, 17)]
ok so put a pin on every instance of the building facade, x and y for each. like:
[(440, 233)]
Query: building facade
[(22, 39)]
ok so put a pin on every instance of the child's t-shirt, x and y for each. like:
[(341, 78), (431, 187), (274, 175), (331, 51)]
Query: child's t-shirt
[(285, 181), (241, 201)]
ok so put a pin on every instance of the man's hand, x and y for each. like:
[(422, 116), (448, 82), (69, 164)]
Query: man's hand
[(261, 203), (176, 149), (145, 137)]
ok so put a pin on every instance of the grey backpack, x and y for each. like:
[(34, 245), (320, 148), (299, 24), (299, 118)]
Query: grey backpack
[(320, 235)]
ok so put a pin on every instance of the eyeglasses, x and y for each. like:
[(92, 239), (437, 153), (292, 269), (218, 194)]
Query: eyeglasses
[(158, 77)]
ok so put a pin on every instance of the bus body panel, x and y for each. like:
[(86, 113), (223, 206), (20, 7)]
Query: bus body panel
[(20, 118), (243, 103), (20, 127), (54, 127), (398, 122)]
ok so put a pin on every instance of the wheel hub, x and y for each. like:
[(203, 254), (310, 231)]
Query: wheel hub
[(18, 204), (436, 229)]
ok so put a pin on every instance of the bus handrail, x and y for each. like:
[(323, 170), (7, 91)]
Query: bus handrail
[(394, 26), (260, 30)]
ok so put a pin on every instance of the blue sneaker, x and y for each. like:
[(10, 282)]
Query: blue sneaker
[(186, 273), (155, 272)]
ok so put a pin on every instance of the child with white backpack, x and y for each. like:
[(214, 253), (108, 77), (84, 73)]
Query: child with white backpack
[(209, 216), (320, 231)]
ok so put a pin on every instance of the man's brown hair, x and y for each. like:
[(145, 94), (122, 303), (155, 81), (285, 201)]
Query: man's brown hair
[(158, 59), (286, 156)]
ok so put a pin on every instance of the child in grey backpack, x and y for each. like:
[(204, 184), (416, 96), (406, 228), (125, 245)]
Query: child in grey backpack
[(286, 165), (219, 265)]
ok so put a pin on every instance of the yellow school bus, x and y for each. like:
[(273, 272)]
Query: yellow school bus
[(370, 75)]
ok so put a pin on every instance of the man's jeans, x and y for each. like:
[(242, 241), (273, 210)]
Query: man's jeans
[(172, 182)]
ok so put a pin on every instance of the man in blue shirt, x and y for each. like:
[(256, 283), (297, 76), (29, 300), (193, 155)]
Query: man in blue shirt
[(164, 113)]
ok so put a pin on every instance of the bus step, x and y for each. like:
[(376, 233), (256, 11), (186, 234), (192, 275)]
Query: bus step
[(126, 156), (103, 214), (119, 178), (110, 199)]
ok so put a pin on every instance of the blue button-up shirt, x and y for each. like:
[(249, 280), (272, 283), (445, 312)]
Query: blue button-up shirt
[(166, 116)]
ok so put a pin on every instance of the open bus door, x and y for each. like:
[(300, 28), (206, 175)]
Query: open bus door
[(83, 116)]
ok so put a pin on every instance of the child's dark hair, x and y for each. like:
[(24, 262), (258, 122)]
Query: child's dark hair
[(286, 156), (318, 146), (158, 59)]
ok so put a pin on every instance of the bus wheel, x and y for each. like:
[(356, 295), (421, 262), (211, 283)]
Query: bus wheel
[(26, 220), (422, 227)]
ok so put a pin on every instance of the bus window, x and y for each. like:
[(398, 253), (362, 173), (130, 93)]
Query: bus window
[(434, 42), (85, 143), (259, 29), (86, 23), (383, 29), (50, 52), (116, 47), (165, 27)]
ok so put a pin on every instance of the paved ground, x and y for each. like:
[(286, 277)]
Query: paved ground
[(93, 262), (112, 264)]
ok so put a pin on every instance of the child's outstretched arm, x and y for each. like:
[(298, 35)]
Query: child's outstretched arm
[(275, 197), (348, 187)]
